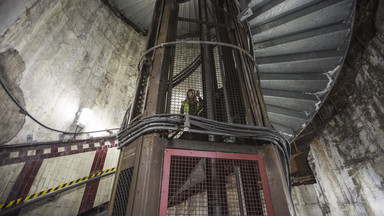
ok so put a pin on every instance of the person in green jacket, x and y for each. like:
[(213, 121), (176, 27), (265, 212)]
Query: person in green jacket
[(193, 103)]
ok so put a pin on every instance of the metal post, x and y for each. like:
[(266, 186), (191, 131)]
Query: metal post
[(207, 68), (240, 190)]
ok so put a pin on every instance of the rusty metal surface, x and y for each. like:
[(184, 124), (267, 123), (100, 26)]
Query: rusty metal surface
[(159, 74), (280, 192), (146, 193)]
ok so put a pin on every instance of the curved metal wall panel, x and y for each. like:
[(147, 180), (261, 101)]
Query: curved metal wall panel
[(138, 11)]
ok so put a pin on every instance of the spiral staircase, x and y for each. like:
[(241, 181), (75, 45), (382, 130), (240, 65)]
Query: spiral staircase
[(299, 46)]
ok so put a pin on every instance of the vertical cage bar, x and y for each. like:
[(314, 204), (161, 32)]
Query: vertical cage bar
[(207, 64)]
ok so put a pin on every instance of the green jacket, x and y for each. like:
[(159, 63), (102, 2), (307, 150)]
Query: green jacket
[(191, 108)]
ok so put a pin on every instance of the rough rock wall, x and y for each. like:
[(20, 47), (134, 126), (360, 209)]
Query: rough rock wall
[(347, 159), (77, 54), (11, 68)]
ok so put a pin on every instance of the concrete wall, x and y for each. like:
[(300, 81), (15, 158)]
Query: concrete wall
[(56, 171), (56, 57), (104, 190), (9, 174), (77, 54), (348, 157)]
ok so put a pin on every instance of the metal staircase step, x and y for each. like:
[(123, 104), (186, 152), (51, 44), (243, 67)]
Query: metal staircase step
[(279, 9), (295, 124), (262, 8), (323, 14), (288, 113), (255, 4), (291, 100), (327, 38), (309, 83), (314, 62)]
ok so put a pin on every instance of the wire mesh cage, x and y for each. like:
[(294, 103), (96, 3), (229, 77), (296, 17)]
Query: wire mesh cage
[(212, 82), (210, 72), (202, 85), (211, 183), (205, 78)]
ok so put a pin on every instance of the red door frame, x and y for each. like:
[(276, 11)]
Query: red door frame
[(204, 154)]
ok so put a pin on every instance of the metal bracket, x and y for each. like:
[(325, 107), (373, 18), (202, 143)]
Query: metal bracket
[(245, 14), (187, 123)]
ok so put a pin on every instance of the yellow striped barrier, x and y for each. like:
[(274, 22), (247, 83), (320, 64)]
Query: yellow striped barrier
[(21, 200)]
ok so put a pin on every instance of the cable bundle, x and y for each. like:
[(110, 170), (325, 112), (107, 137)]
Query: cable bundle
[(179, 122)]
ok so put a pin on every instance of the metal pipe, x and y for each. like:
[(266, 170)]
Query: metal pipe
[(214, 183), (240, 191), (194, 42), (15, 146), (170, 80), (228, 108)]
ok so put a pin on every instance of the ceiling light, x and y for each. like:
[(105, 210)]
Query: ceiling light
[(84, 116)]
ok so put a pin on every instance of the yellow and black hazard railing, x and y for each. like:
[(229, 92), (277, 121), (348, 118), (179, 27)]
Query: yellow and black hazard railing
[(56, 190)]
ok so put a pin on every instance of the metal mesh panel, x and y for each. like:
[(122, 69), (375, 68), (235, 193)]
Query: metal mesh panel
[(186, 74), (209, 71), (190, 10), (217, 96), (122, 192), (214, 186)]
